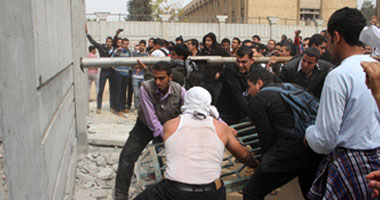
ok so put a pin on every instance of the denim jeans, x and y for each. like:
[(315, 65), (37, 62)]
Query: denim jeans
[(138, 138), (136, 89), (104, 75)]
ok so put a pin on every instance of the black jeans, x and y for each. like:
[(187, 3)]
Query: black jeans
[(104, 75), (138, 138), (123, 92), (260, 184), (165, 190), (130, 90), (116, 91)]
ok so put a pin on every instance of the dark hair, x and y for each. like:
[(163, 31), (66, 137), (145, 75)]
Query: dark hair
[(90, 48), (152, 38), (291, 47), (181, 50), (273, 41), (316, 39), (235, 38), (179, 39), (163, 66), (348, 22), (255, 47), (246, 41), (306, 38), (244, 50), (109, 38), (226, 40), (264, 75), (159, 41), (256, 36), (143, 42), (171, 43), (194, 42), (312, 52), (125, 39)]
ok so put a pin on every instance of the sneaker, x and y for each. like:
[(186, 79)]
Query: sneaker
[(112, 111), (125, 110), (98, 111), (121, 114)]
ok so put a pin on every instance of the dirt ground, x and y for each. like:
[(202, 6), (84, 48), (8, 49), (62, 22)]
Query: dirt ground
[(96, 172)]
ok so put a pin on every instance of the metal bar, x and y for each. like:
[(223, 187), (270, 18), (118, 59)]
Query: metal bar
[(131, 61)]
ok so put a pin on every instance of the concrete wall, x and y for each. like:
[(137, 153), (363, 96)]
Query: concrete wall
[(136, 31), (41, 113)]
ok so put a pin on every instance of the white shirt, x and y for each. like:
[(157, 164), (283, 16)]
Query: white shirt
[(159, 53), (348, 116)]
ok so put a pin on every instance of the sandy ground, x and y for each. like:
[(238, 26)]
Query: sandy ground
[(96, 172)]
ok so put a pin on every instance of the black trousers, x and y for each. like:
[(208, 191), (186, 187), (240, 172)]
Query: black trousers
[(138, 138), (104, 75), (130, 90), (165, 190), (124, 84), (116, 91), (260, 184)]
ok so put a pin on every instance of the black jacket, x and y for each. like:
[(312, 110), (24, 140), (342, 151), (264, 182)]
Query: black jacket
[(233, 101), (281, 151), (103, 51), (210, 71), (314, 84)]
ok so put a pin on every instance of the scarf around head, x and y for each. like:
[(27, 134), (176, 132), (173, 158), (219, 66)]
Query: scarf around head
[(198, 103)]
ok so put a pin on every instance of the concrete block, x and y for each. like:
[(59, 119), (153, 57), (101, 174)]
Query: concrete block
[(105, 174), (85, 177), (100, 161)]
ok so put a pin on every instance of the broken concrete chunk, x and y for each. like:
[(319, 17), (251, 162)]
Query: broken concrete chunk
[(105, 174), (100, 161), (85, 177)]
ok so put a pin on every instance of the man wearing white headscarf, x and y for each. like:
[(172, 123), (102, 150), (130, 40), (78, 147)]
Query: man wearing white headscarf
[(194, 144)]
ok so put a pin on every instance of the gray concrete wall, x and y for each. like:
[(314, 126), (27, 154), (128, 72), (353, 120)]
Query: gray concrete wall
[(43, 99)]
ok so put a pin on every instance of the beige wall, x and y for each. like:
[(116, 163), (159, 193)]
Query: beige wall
[(329, 7), (271, 8), (255, 9)]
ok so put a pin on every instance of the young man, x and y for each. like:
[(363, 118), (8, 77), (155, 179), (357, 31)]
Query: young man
[(347, 127), (307, 71), (161, 100), (193, 46), (284, 155), (271, 48), (194, 145), (226, 45), (159, 48), (212, 72), (235, 46), (233, 101), (138, 74), (106, 73)]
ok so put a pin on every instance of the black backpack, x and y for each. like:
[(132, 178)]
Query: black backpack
[(304, 106)]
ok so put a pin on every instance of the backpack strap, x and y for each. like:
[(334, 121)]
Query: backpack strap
[(163, 51)]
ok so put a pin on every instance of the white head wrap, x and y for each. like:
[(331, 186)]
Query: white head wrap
[(198, 103)]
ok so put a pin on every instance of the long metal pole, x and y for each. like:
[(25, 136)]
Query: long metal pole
[(132, 61)]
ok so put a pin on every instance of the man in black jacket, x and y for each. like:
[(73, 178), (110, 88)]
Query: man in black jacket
[(233, 101), (284, 155), (212, 73), (106, 73), (308, 71)]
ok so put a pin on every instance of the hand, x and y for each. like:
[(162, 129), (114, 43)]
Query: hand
[(374, 20), (141, 64), (374, 182), (372, 70), (217, 75), (86, 29), (119, 31), (297, 32), (305, 142)]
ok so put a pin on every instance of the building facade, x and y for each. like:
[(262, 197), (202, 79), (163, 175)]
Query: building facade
[(292, 12)]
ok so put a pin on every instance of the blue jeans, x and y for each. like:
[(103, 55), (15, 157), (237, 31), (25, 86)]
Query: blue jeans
[(136, 89)]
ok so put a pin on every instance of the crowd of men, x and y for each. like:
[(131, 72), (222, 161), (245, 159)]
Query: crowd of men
[(188, 107)]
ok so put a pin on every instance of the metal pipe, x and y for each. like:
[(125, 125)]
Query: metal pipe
[(131, 61)]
